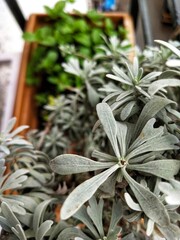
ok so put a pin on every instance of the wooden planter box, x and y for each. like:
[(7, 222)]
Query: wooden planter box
[(25, 109)]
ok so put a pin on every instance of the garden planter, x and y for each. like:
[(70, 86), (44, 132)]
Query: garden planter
[(25, 109)]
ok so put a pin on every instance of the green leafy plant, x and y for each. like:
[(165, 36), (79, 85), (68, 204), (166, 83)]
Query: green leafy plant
[(65, 34)]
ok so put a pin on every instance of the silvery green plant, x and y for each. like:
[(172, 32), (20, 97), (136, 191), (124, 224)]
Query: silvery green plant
[(130, 187), (143, 146)]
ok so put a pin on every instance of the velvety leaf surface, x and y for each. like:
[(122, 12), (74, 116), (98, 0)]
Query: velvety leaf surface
[(84, 192), (69, 164), (149, 203)]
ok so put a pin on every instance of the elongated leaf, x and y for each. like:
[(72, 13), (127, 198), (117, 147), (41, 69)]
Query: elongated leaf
[(166, 168), (15, 180), (150, 76), (169, 74), (117, 71), (148, 201), (149, 111), (43, 229), (121, 136), (29, 203), (116, 105), (161, 83), (117, 213), (107, 119), (19, 232), (172, 63), (4, 224), (92, 94), (131, 203), (18, 130), (59, 227), (10, 125), (72, 233), (150, 227), (2, 167), (124, 95), (103, 157), (170, 46), (9, 215), (148, 133), (163, 143), (39, 214), (95, 211), (16, 206), (142, 158), (111, 95), (126, 111), (25, 219), (119, 79), (135, 66), (170, 232), (82, 215), (69, 164), (133, 217), (84, 192)]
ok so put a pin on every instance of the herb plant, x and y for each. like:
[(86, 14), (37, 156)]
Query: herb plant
[(63, 35), (123, 180)]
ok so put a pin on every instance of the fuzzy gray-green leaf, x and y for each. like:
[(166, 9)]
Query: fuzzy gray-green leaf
[(95, 211), (149, 111), (148, 201), (42, 230), (170, 46), (39, 214), (109, 124), (72, 233), (70, 164), (126, 111), (166, 168), (84, 192), (162, 83), (162, 143), (82, 215), (117, 213)]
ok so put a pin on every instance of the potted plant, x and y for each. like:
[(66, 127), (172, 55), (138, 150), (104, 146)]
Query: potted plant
[(129, 189), (50, 40)]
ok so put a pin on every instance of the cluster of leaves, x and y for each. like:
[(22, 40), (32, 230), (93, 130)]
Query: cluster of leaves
[(75, 107), (130, 188), (142, 126), (62, 36)]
